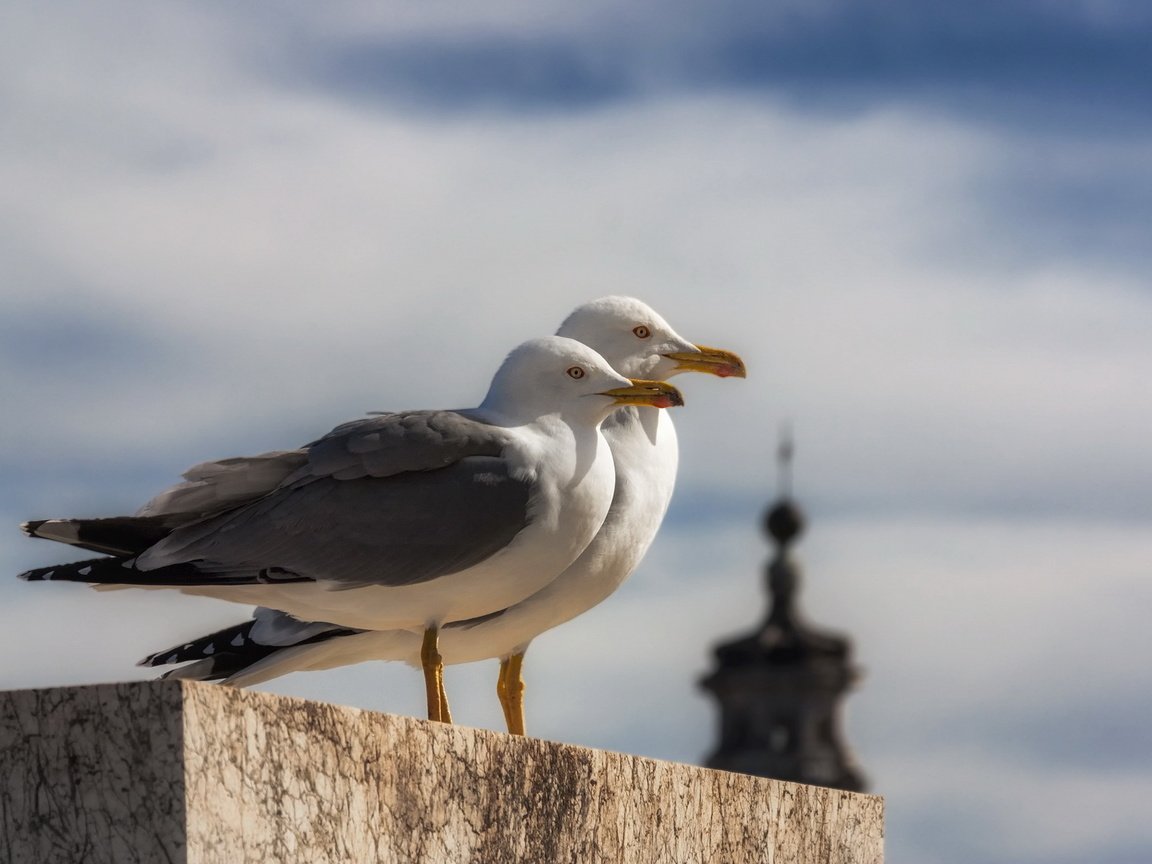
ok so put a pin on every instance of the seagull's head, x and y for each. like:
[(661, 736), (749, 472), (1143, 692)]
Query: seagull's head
[(557, 375), (638, 343)]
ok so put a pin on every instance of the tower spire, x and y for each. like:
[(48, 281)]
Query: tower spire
[(785, 450)]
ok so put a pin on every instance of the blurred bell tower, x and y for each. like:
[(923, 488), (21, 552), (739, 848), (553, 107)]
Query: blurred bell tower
[(780, 686)]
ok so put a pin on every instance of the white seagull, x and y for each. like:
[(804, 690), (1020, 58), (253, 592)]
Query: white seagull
[(406, 520), (637, 342)]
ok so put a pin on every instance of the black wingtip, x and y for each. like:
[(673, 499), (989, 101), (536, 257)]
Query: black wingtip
[(228, 641), (152, 660), (162, 658), (41, 574), (31, 526), (92, 571)]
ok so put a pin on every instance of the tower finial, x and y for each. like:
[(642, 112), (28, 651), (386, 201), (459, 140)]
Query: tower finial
[(784, 521)]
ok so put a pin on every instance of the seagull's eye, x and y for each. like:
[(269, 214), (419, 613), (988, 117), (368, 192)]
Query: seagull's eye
[(641, 331), (576, 372)]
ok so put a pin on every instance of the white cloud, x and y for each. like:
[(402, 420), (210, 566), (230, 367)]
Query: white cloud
[(329, 267)]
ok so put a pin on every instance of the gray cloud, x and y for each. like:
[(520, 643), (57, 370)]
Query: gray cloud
[(1022, 62)]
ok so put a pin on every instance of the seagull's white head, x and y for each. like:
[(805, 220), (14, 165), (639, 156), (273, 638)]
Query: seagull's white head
[(556, 375), (638, 343)]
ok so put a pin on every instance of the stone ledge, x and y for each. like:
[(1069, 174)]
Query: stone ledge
[(177, 772)]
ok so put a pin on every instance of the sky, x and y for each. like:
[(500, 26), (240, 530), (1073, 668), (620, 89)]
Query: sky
[(225, 229)]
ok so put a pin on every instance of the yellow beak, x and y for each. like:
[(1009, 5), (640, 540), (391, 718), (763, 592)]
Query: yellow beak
[(714, 361), (658, 394)]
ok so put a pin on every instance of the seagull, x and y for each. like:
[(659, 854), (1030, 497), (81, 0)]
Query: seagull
[(405, 520), (636, 341)]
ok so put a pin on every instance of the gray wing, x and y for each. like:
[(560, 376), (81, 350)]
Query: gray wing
[(212, 487), (394, 443), (392, 500), (374, 446)]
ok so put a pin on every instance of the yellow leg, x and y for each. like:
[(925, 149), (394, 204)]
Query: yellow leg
[(510, 690), (433, 665), (445, 714), (502, 692)]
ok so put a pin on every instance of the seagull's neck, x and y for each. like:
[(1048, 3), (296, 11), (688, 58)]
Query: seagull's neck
[(507, 412), (500, 410), (648, 419)]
